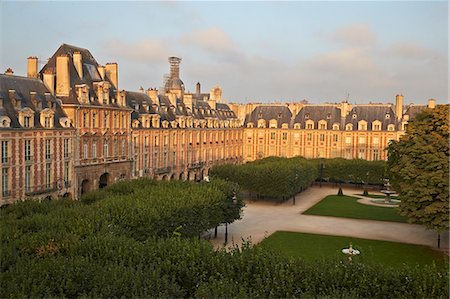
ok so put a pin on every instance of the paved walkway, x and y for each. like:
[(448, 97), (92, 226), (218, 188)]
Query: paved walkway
[(261, 219)]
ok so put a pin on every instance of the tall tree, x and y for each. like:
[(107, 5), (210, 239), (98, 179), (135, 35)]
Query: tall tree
[(419, 168)]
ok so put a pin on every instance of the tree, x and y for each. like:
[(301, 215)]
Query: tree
[(418, 164)]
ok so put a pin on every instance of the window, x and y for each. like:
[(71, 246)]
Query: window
[(4, 151), (48, 154), (115, 148), (391, 127), (375, 140), (146, 142), (322, 126), (309, 137), (376, 155), (27, 178), (310, 126), (48, 122), (348, 127), (354, 116), (272, 135), (94, 120), (94, 149), (362, 140), (335, 138), (123, 121), (388, 116), (322, 137), (361, 153), (27, 121), (115, 120), (348, 140), (66, 172), (85, 150), (27, 150), (123, 148), (284, 136), (48, 175), (105, 120), (335, 127), (105, 149), (5, 184), (85, 119), (66, 148)]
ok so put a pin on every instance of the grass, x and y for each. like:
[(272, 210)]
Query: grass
[(378, 196), (316, 247), (348, 207)]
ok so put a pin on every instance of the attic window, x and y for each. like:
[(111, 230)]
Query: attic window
[(329, 116), (307, 115), (388, 116), (260, 115), (354, 116)]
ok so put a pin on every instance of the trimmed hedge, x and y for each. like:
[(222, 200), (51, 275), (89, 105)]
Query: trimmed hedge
[(356, 171)]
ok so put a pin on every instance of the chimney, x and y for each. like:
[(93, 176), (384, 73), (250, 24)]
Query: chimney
[(152, 93), (197, 88), (431, 103), (112, 74), (173, 99), (49, 80), (32, 67), (78, 62), (187, 100), (101, 70), (9, 71), (62, 75), (174, 67), (399, 106), (212, 104)]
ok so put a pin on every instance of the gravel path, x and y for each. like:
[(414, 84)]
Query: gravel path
[(261, 219)]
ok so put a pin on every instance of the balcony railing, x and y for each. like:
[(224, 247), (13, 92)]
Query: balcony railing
[(163, 170), (196, 165)]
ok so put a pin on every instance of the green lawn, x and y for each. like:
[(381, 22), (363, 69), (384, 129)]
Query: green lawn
[(348, 207), (315, 247), (377, 196)]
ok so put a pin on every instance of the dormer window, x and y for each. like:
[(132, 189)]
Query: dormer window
[(391, 127), (27, 121), (354, 116), (307, 115), (5, 122), (329, 116), (309, 125), (335, 127), (349, 127), (26, 118), (249, 125), (388, 116)]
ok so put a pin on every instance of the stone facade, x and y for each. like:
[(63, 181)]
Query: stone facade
[(68, 129)]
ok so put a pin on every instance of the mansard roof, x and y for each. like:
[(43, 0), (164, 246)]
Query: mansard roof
[(23, 87), (413, 110), (91, 74), (331, 114), (370, 113), (280, 113)]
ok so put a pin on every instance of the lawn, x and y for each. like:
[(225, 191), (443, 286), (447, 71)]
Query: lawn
[(315, 247), (348, 207)]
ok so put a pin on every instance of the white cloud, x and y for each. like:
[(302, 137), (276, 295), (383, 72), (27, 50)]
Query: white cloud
[(145, 50), (213, 40), (356, 35)]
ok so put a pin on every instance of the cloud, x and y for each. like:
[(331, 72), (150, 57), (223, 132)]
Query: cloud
[(145, 50), (356, 35), (213, 40), (409, 50)]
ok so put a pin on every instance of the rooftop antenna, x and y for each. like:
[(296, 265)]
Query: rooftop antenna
[(348, 96)]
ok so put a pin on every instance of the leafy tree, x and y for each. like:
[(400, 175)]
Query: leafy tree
[(419, 165)]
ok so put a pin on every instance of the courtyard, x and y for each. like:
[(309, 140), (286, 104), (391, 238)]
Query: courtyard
[(261, 219)]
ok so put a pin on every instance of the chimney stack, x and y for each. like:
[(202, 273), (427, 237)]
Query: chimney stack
[(49, 80), (78, 62), (32, 63), (431, 103), (197, 88), (101, 70), (152, 93), (62, 75), (399, 106), (112, 74)]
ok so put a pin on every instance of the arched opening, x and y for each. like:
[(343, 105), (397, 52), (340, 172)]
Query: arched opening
[(181, 177), (67, 195), (85, 186), (203, 174), (165, 178), (172, 177), (103, 180)]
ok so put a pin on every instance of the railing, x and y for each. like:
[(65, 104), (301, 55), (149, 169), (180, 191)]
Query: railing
[(162, 170), (196, 165)]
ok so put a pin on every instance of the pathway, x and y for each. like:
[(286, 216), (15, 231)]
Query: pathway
[(261, 219)]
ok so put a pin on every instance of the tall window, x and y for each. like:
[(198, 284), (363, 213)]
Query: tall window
[(27, 178), (105, 149), (85, 150), (115, 148), (66, 172), (105, 120), (322, 137), (85, 119), (272, 135), (335, 138), (5, 184), (66, 148), (309, 137), (48, 146), (284, 136), (94, 120), (47, 122), (27, 150), (123, 148), (376, 155), (4, 151), (94, 149), (48, 175)]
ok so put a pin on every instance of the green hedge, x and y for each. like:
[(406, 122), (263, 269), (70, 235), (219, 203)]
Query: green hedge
[(272, 177)]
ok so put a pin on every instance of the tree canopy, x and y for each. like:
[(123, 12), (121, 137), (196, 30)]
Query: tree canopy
[(419, 165)]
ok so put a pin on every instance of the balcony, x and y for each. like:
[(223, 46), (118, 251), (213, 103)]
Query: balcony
[(196, 165), (163, 170)]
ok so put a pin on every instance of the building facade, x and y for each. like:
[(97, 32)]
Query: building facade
[(69, 129)]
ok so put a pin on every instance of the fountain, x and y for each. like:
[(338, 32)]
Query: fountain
[(388, 192)]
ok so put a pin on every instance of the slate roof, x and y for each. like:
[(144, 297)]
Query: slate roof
[(90, 73), (413, 110), (23, 87), (371, 113), (281, 113), (331, 114)]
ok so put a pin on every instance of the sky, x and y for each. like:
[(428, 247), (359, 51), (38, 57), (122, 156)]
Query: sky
[(256, 51)]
